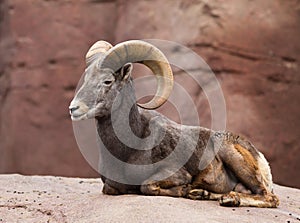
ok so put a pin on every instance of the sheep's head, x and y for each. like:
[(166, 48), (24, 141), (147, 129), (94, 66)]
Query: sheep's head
[(109, 69)]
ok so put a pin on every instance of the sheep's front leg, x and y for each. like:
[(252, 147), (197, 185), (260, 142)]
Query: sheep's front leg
[(114, 188), (177, 185)]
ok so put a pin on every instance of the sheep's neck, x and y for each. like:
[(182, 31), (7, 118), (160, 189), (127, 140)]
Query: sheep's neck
[(119, 120)]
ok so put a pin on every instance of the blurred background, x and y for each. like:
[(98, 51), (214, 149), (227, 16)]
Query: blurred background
[(251, 45)]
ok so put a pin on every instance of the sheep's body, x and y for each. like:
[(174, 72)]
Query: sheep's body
[(227, 171), (178, 160)]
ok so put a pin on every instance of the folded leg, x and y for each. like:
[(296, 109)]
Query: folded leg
[(177, 185)]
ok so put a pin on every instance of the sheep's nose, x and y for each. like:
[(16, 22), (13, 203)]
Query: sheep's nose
[(72, 109)]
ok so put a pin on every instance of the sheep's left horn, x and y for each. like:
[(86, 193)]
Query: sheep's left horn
[(137, 51), (96, 50)]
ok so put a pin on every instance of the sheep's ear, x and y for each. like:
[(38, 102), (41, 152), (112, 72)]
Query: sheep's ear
[(126, 71)]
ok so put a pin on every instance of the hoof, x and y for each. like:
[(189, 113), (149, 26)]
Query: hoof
[(198, 194), (230, 200), (107, 189), (273, 200), (150, 189)]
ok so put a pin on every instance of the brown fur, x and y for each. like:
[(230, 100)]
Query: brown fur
[(248, 158)]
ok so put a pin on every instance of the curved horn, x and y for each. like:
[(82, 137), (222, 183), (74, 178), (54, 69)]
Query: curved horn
[(96, 50), (137, 51)]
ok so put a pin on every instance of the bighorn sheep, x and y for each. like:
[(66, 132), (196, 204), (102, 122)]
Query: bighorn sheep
[(237, 175)]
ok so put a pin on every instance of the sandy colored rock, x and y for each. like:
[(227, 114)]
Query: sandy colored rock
[(59, 199)]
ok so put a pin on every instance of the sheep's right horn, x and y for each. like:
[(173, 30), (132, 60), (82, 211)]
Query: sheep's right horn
[(137, 51)]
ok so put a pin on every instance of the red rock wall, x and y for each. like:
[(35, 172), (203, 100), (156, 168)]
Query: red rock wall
[(252, 47), (5, 57), (50, 39)]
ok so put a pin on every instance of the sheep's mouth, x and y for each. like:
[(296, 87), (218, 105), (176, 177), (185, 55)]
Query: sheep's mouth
[(78, 111), (78, 117), (83, 115)]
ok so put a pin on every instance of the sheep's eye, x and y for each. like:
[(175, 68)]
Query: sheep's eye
[(107, 82)]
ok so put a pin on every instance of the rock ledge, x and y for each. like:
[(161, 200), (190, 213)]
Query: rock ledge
[(60, 199)]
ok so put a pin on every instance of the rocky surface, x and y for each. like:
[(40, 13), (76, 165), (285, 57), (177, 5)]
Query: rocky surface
[(59, 199), (252, 46)]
